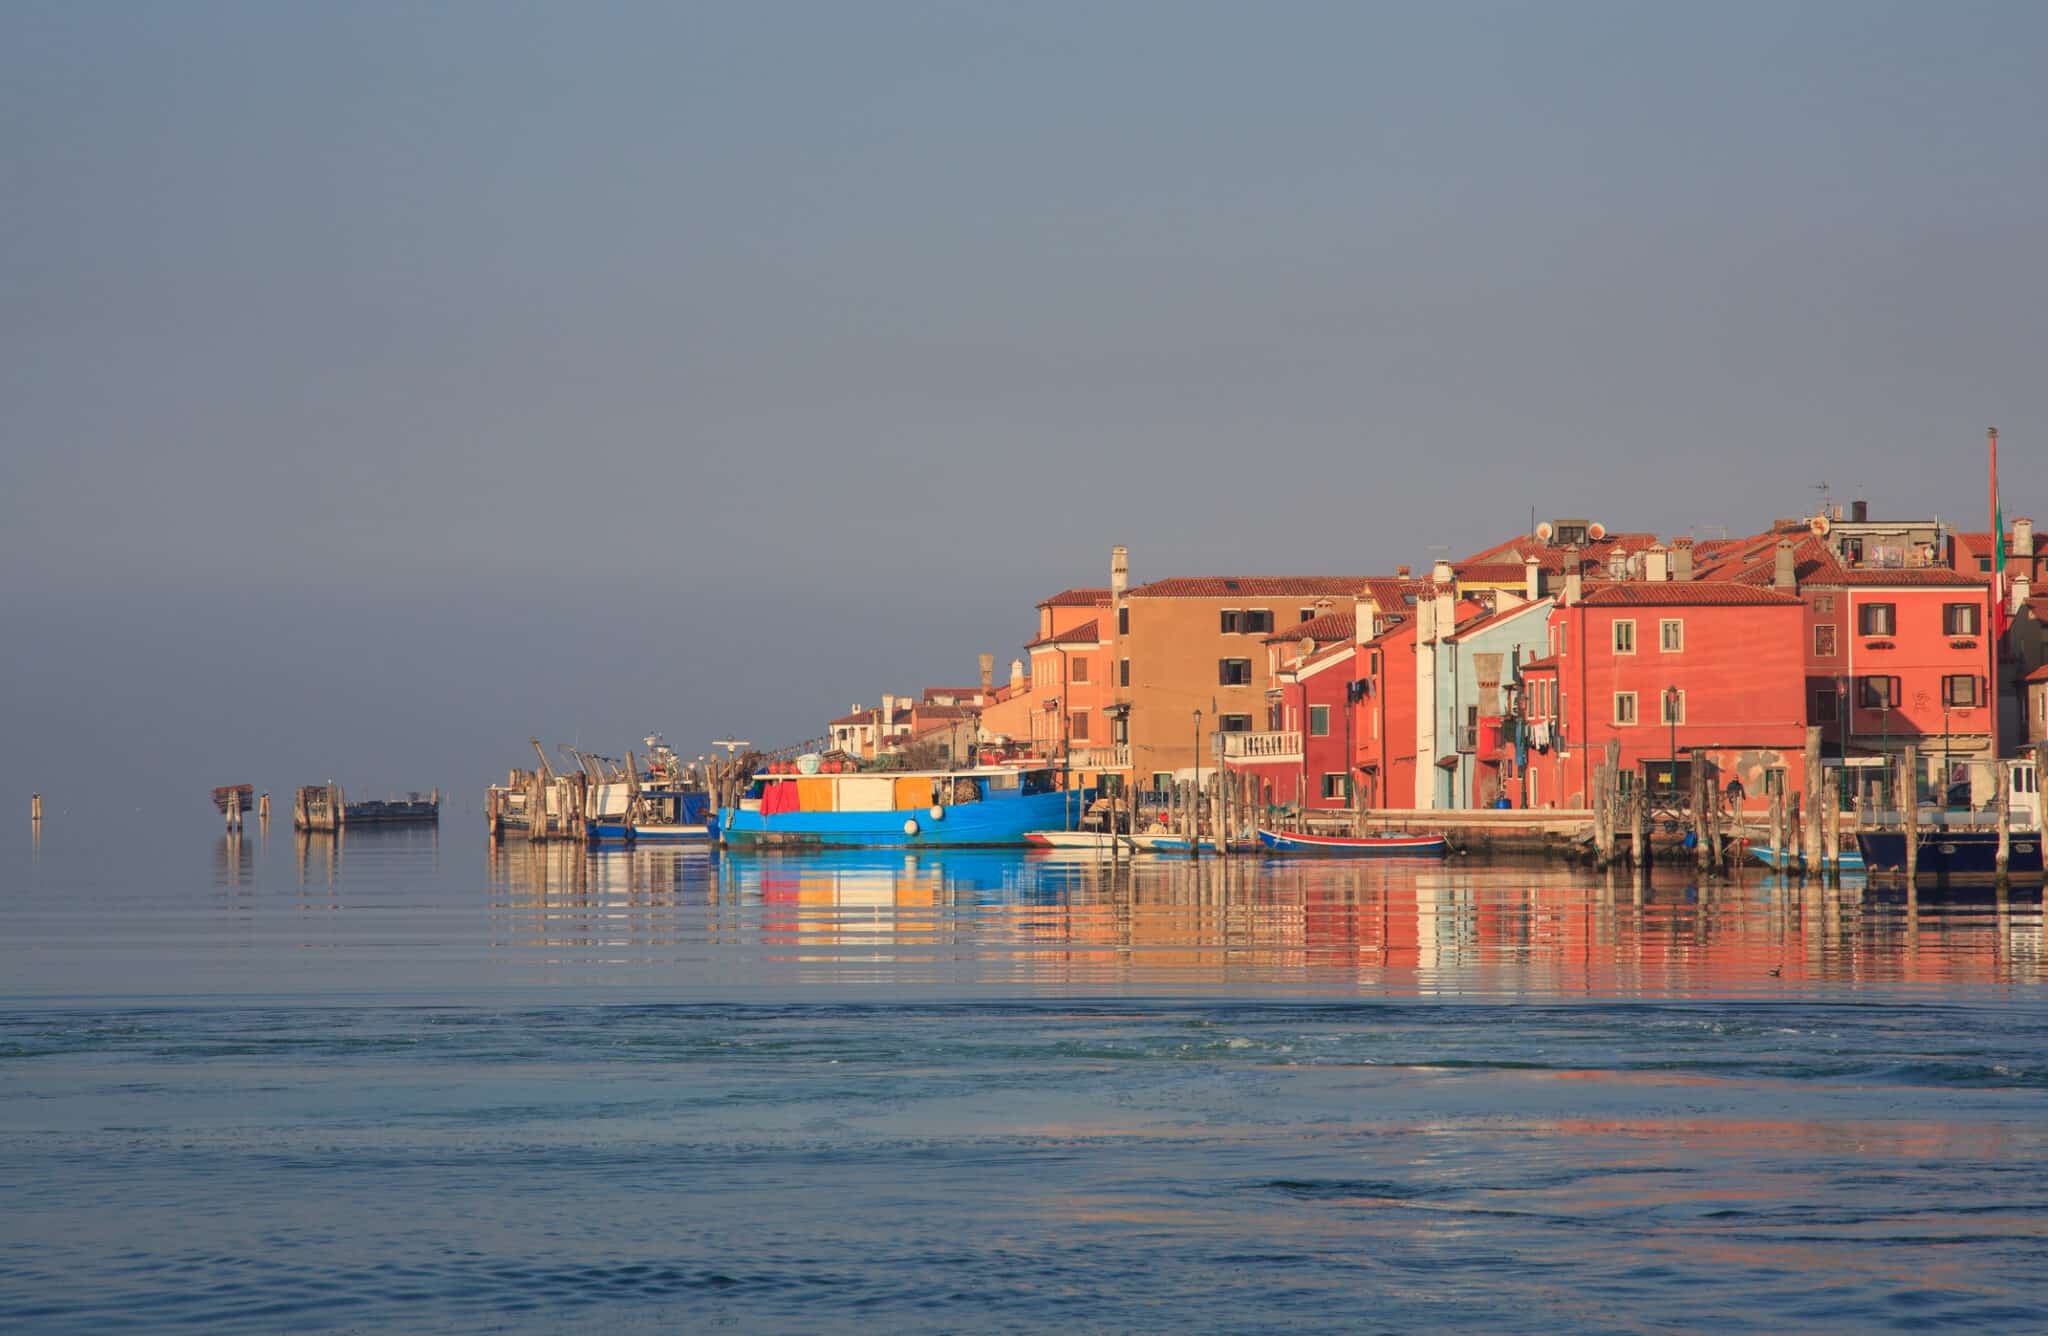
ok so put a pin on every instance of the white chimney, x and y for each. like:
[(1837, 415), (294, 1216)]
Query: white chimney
[(1656, 563), (2023, 538), (1574, 587), (1782, 572), (988, 673), (1016, 674), (1119, 570), (1681, 561), (1442, 573), (1532, 579)]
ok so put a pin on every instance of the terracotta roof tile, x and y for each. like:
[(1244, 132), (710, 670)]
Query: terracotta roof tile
[(1686, 593), (1084, 634), (1252, 586), (1539, 665), (1331, 626), (2038, 675), (1081, 597), (1499, 615)]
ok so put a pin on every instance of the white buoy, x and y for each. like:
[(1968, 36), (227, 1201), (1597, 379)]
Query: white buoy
[(938, 812), (910, 826)]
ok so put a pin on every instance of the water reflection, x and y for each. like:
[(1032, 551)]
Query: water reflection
[(993, 917)]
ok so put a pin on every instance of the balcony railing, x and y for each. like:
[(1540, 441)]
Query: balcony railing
[(1259, 746), (1104, 757)]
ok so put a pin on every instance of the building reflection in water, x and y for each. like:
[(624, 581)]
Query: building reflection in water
[(1002, 918)]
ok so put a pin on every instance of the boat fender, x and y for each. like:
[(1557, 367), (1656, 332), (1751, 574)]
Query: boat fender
[(910, 826), (938, 812)]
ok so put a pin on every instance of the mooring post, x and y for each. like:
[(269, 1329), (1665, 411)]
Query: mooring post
[(1909, 803), (1809, 807), (263, 809), (1831, 833), (1774, 793), (35, 809), (1639, 834), (2004, 819)]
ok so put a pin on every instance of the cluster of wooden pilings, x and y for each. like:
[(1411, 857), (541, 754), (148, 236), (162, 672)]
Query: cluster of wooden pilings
[(539, 805)]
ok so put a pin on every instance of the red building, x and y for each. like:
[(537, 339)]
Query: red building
[(1383, 719), (1303, 748), (1670, 669)]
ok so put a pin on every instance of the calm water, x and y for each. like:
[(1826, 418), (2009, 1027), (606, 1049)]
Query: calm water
[(409, 1082)]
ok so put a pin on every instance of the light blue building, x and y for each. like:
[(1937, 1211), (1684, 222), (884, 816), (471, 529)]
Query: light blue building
[(1474, 667)]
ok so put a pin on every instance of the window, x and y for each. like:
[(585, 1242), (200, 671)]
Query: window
[(1234, 672), (1232, 622), (1123, 672), (1624, 637), (1077, 725), (1824, 641), (1960, 619), (1257, 621), (1162, 781), (1959, 690), (1078, 669), (1308, 614), (1319, 721), (1852, 550), (1823, 603), (1233, 723), (1123, 621), (1827, 706), (1984, 565), (1877, 693), (1877, 619), (1673, 707), (1671, 635), (1624, 707), (1337, 785)]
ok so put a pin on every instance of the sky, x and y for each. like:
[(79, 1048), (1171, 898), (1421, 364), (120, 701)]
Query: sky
[(384, 384)]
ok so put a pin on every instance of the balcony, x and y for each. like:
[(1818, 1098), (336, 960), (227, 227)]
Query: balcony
[(1254, 747), (1104, 757)]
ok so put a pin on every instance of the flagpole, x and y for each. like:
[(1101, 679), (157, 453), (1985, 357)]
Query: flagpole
[(1997, 627)]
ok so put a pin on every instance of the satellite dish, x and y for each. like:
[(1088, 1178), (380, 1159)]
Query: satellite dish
[(1819, 525), (1544, 532), (1307, 646), (1596, 531)]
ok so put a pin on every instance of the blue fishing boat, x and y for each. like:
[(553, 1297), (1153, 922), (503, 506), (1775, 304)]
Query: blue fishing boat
[(662, 805), (1355, 846), (1791, 860), (1947, 852), (994, 806)]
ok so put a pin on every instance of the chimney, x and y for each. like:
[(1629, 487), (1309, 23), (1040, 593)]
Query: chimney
[(1016, 674), (1859, 512), (1119, 570), (1425, 621), (1656, 563), (1442, 573), (988, 673), (1446, 606), (1574, 587), (1532, 579), (1782, 574), (2022, 590), (2023, 538), (1401, 572), (1681, 560)]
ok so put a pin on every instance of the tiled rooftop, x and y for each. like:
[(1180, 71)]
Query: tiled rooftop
[(1252, 586)]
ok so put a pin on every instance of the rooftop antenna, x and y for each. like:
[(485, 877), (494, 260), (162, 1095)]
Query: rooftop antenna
[(731, 745), (1825, 507)]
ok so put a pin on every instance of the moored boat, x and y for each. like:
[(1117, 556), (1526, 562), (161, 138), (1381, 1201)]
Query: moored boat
[(1946, 853), (1354, 846), (1794, 861), (992, 806), (662, 805)]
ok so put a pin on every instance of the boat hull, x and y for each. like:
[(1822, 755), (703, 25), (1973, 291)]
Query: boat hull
[(1787, 860), (1001, 822), (1952, 853), (618, 832), (1351, 846)]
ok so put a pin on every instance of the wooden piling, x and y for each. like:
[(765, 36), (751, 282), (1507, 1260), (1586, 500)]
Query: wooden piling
[(1909, 804), (1831, 832), (35, 809), (2004, 862), (1774, 790), (1809, 806), (1638, 832)]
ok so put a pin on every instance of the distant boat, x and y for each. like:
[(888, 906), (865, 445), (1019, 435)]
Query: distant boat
[(1355, 846), (324, 807), (663, 806), (882, 809), (1178, 844)]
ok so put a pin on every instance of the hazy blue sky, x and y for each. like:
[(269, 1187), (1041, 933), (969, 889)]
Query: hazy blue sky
[(383, 383)]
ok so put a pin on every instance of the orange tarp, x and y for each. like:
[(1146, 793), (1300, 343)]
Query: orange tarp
[(912, 793), (814, 795)]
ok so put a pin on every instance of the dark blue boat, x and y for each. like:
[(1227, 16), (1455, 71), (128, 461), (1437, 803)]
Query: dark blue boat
[(1946, 852)]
